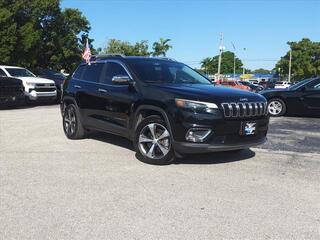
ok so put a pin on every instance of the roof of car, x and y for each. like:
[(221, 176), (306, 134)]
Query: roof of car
[(119, 56), (5, 66)]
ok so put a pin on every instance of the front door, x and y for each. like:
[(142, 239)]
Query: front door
[(311, 97), (117, 99)]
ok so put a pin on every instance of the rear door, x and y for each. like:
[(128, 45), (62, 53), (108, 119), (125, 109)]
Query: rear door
[(87, 94)]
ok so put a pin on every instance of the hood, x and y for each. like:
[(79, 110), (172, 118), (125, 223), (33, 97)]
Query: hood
[(275, 90), (35, 80), (211, 93)]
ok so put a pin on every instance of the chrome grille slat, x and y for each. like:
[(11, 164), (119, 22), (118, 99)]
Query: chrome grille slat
[(244, 110)]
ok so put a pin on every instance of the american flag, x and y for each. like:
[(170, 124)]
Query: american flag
[(87, 53)]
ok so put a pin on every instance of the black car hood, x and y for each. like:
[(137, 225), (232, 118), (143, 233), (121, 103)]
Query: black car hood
[(271, 91), (211, 93)]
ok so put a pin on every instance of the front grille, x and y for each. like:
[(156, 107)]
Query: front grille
[(45, 89), (244, 110), (44, 84)]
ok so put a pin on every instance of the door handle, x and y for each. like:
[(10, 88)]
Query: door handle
[(77, 86), (102, 90)]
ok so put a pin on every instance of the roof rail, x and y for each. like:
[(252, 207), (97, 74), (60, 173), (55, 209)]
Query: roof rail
[(167, 58), (99, 56)]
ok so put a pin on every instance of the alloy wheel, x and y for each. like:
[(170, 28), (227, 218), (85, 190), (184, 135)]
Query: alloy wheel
[(275, 107), (70, 121), (154, 141)]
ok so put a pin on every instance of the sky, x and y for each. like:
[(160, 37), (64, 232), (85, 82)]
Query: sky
[(262, 27)]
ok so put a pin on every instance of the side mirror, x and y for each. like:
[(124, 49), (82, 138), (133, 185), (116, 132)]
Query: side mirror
[(121, 80), (303, 89)]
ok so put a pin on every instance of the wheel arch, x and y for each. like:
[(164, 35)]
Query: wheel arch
[(144, 111)]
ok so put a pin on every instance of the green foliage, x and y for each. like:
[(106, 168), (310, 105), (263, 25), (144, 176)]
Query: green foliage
[(210, 65), (305, 59), (160, 48), (37, 33), (261, 70), (139, 48)]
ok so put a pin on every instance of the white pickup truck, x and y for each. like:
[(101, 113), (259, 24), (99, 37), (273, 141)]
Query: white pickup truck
[(35, 88)]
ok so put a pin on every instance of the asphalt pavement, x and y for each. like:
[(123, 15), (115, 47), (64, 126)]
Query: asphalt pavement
[(55, 188)]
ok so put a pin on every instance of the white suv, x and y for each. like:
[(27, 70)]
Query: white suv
[(35, 88)]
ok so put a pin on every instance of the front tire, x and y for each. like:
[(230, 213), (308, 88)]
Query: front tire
[(153, 141), (72, 125), (276, 107)]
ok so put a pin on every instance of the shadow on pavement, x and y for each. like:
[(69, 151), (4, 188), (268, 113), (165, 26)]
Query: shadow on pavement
[(208, 158)]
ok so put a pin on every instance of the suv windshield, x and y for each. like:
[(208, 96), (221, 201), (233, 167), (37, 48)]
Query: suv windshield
[(160, 71), (297, 85), (19, 72)]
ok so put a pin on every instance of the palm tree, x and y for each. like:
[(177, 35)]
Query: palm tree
[(160, 48)]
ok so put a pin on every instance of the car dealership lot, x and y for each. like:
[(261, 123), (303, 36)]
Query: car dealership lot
[(54, 188)]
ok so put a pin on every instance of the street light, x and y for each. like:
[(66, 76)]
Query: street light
[(234, 61), (221, 49)]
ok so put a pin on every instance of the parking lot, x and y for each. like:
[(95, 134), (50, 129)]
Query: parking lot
[(54, 188)]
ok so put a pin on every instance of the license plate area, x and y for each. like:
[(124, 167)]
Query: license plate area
[(249, 128)]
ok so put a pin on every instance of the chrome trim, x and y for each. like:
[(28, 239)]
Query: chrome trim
[(243, 110)]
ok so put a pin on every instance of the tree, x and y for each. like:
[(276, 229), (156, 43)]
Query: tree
[(210, 65), (141, 48), (305, 60), (37, 33), (160, 48), (261, 70), (123, 47)]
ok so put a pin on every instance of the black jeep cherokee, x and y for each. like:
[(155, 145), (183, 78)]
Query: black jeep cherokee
[(163, 106)]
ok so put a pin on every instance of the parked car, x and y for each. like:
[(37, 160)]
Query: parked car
[(269, 84), (11, 92), (35, 88), (282, 84), (303, 98), (253, 81), (253, 87), (165, 107), (233, 84), (57, 77)]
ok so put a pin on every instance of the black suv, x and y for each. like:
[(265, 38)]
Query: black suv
[(166, 108)]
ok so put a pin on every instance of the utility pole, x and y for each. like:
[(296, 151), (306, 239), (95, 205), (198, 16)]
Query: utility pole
[(290, 59), (244, 70), (221, 48), (234, 61)]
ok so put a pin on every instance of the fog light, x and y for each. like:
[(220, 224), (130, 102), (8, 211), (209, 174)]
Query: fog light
[(197, 134)]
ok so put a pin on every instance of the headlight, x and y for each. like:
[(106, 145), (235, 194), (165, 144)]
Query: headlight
[(196, 106), (30, 84)]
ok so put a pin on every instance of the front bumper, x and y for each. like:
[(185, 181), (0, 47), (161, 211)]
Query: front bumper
[(226, 134), (33, 95), (189, 148)]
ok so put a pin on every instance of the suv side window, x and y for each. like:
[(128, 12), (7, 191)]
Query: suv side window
[(92, 72), (78, 73), (112, 69), (2, 73)]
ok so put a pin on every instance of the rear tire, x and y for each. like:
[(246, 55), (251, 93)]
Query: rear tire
[(276, 107), (72, 125), (153, 142)]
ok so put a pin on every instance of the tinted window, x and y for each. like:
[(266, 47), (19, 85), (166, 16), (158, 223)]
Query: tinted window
[(112, 69), (2, 73), (19, 72), (166, 72), (315, 85), (92, 72), (78, 73)]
